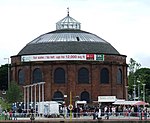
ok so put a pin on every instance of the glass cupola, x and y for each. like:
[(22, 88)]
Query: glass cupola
[(68, 23)]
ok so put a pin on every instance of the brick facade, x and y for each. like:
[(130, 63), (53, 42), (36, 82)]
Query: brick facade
[(95, 88)]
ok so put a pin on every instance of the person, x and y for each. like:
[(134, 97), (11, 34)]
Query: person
[(99, 114), (145, 114), (10, 115), (140, 114), (95, 113), (106, 111), (14, 115), (32, 115), (65, 111), (124, 111), (78, 111), (5, 114), (129, 111), (113, 110), (120, 110)]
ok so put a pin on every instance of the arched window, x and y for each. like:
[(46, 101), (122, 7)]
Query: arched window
[(58, 96), (21, 77), (83, 76), (85, 96), (104, 74), (119, 76), (37, 75), (59, 76)]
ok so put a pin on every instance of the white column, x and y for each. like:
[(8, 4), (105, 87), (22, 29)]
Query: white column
[(24, 97), (39, 106), (35, 97), (43, 97), (31, 96), (42, 92), (41, 88), (27, 98)]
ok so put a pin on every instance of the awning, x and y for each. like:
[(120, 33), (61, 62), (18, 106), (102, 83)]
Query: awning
[(118, 102), (141, 103)]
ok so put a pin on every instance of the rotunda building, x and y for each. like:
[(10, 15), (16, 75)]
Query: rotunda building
[(69, 61)]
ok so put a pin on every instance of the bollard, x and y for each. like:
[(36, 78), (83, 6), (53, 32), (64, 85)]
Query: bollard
[(32, 117)]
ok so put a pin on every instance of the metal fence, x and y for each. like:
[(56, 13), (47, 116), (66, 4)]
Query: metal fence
[(91, 115)]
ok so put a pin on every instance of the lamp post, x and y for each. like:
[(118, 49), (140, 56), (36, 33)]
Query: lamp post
[(134, 92), (144, 91), (138, 89), (8, 70)]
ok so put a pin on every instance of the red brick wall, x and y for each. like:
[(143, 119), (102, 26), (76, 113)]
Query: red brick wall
[(95, 88)]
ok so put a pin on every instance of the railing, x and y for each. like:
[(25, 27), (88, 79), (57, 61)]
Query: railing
[(90, 115)]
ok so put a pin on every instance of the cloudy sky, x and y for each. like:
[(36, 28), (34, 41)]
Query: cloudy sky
[(123, 23)]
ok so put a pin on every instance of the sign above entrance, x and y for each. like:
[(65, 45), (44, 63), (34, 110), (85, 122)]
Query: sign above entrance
[(59, 57), (106, 98)]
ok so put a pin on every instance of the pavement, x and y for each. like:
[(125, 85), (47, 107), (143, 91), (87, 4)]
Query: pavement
[(85, 119)]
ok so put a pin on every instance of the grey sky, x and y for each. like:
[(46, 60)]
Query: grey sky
[(123, 23)]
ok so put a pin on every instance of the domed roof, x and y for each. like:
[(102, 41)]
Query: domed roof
[(68, 38)]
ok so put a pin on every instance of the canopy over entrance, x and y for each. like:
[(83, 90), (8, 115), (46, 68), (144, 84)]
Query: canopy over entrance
[(106, 99), (123, 102)]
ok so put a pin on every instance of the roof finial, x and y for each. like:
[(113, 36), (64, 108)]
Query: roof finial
[(68, 11)]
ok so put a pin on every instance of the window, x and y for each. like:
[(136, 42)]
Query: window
[(83, 76), (58, 96), (104, 74), (37, 75), (85, 96), (21, 77), (119, 76), (59, 76)]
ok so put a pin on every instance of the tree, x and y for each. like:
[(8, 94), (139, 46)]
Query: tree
[(4, 77), (138, 74), (4, 104), (133, 67), (14, 94), (143, 75)]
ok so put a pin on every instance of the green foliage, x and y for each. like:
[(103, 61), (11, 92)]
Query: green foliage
[(14, 93), (138, 74), (3, 73), (133, 66), (143, 75), (130, 82), (4, 104), (3, 70)]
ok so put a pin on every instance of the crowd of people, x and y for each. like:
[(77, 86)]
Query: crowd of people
[(109, 110), (13, 114), (9, 115), (97, 112), (122, 110)]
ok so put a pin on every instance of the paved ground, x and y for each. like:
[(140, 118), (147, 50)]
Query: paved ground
[(85, 119)]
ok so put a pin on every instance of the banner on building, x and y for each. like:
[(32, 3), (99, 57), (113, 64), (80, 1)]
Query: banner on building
[(59, 57)]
